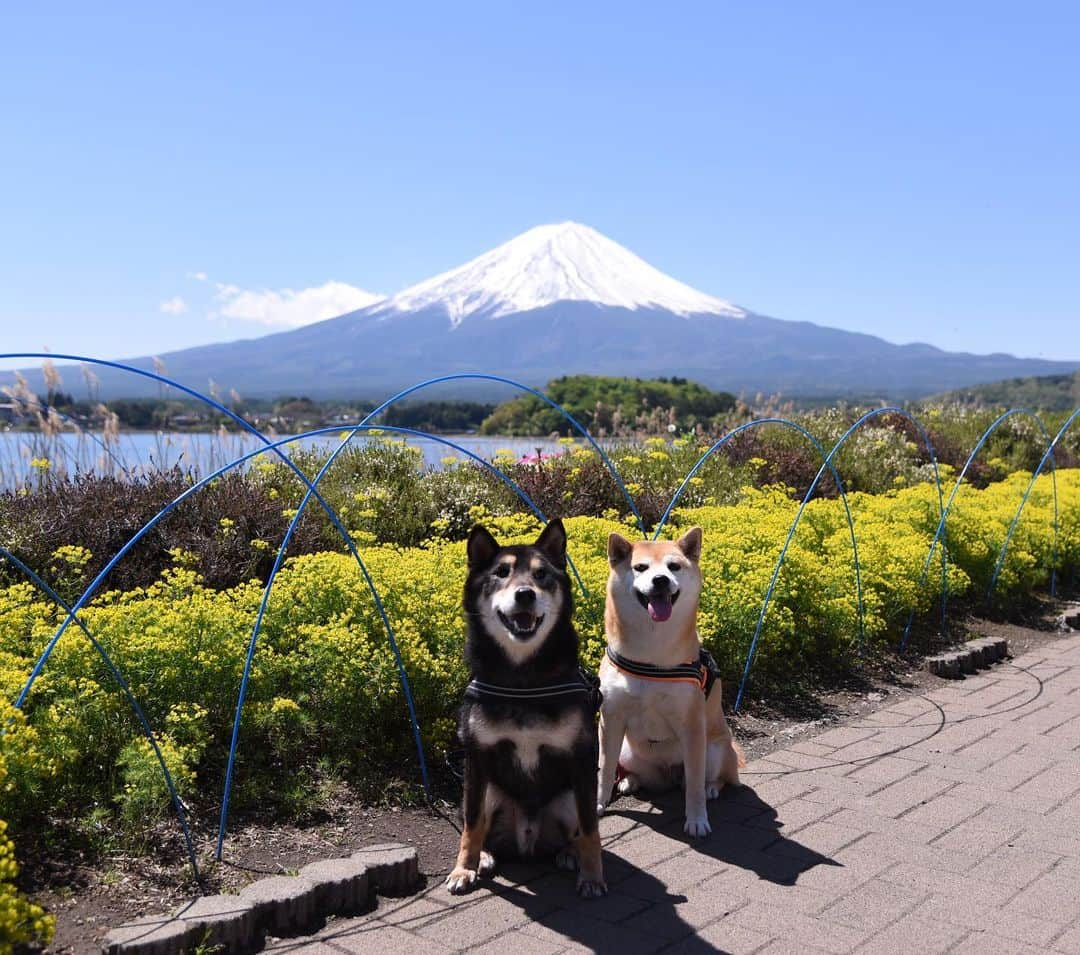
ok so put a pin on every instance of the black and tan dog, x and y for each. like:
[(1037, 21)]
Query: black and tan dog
[(528, 720)]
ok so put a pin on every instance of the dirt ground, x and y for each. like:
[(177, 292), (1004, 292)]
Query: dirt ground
[(91, 895)]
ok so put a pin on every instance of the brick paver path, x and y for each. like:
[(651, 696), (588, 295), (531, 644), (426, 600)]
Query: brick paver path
[(945, 823)]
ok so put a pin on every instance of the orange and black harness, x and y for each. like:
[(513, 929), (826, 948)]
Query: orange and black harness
[(702, 673)]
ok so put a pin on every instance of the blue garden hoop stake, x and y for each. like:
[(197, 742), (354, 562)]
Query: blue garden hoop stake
[(826, 465), (939, 534), (247, 426), (1048, 454), (275, 446), (96, 582), (174, 797), (574, 423), (278, 560)]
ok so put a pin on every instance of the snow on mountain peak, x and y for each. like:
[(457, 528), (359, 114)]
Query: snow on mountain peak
[(555, 263)]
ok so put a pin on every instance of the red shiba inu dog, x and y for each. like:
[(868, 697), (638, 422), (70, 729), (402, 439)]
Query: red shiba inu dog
[(661, 719)]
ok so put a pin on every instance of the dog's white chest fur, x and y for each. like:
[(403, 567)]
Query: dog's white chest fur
[(558, 735), (648, 706)]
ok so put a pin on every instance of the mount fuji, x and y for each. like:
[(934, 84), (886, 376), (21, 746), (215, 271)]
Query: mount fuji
[(564, 299)]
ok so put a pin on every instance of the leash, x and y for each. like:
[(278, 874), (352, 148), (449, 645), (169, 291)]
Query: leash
[(588, 686), (703, 673)]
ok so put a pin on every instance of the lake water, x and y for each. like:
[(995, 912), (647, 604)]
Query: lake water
[(141, 451)]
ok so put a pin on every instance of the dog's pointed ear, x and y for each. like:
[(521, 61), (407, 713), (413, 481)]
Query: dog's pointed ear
[(481, 547), (618, 549), (690, 544), (552, 541)]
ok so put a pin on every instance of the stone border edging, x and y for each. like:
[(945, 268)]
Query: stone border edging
[(278, 905), (967, 659)]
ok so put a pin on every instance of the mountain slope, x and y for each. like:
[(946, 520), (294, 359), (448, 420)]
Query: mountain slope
[(563, 300)]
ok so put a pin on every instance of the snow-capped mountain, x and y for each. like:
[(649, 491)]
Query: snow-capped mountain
[(567, 262), (559, 300)]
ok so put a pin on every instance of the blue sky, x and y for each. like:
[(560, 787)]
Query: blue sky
[(908, 170)]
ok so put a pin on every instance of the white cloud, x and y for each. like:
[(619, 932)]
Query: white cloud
[(288, 308), (198, 276), (174, 306)]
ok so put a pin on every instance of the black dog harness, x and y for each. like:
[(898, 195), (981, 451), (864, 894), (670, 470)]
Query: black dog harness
[(588, 686), (704, 673)]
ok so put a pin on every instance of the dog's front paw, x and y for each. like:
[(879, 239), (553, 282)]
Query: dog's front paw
[(713, 790), (487, 865), (697, 826), (601, 808), (591, 887), (461, 880)]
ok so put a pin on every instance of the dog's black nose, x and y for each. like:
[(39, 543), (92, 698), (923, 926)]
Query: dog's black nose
[(525, 597), (660, 582)]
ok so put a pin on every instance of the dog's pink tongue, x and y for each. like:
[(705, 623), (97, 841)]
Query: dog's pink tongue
[(660, 608)]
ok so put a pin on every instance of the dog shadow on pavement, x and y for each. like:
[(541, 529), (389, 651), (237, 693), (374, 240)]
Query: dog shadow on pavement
[(747, 833), (662, 885)]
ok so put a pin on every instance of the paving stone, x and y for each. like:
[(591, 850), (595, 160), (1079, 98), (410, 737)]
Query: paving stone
[(362, 937), (150, 935), (594, 935), (225, 920), (411, 913), (818, 839), (987, 943), (481, 918), (1013, 867), (911, 934), (1069, 943), (883, 772), (873, 905), (392, 868), (722, 936), (518, 943), (341, 885), (806, 930), (1048, 897), (283, 904), (918, 878), (905, 795)]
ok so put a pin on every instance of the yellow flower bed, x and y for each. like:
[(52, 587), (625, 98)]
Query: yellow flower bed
[(324, 695)]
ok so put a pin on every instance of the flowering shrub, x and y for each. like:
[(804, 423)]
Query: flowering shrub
[(21, 921), (325, 698)]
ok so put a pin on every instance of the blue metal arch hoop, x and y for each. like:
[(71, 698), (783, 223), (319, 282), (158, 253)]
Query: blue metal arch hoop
[(826, 464), (279, 558), (1048, 454), (940, 533), (577, 426), (269, 446), (174, 796), (276, 447), (870, 415)]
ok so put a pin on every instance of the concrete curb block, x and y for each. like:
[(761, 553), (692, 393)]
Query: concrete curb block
[(225, 920), (342, 886), (279, 905), (284, 904), (151, 935), (392, 868), (970, 657)]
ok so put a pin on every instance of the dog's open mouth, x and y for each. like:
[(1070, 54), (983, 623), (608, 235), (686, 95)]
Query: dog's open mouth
[(659, 605), (521, 624)]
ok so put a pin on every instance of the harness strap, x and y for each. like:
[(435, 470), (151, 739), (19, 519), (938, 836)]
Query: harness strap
[(588, 686), (703, 673)]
